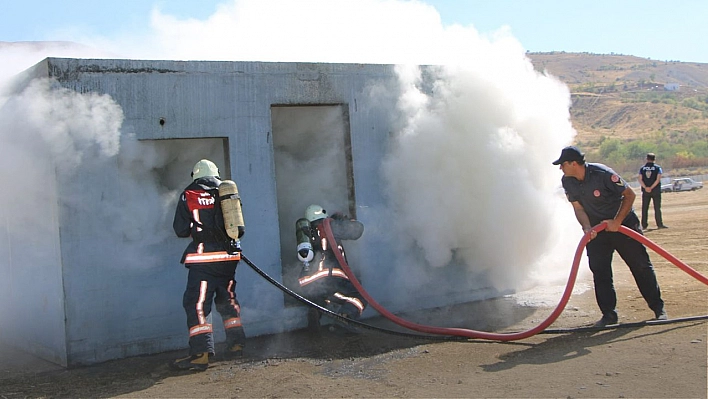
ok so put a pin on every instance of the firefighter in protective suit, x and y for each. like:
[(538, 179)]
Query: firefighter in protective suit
[(211, 257), (322, 279)]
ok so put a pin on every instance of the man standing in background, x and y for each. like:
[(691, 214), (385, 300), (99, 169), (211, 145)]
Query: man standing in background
[(650, 180)]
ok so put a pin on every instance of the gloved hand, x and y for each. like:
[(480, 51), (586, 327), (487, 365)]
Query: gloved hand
[(304, 252), (234, 247)]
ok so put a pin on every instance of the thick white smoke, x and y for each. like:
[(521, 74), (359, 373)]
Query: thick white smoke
[(358, 31), (470, 173), (470, 170), (53, 135), (67, 124)]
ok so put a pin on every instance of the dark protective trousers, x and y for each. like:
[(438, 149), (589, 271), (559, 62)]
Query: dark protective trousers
[(634, 254), (655, 197), (207, 283), (330, 291)]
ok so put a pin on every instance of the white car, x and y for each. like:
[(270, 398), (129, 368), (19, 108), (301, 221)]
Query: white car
[(682, 184)]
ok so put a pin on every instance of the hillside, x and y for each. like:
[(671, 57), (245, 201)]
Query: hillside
[(628, 98)]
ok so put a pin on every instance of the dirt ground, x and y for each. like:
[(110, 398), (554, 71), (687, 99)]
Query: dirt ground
[(653, 360)]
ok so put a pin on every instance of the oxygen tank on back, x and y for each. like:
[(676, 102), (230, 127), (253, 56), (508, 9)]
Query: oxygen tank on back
[(231, 209), (304, 247)]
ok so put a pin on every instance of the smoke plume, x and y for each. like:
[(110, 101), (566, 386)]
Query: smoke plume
[(469, 170)]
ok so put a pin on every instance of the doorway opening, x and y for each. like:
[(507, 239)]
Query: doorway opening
[(313, 165)]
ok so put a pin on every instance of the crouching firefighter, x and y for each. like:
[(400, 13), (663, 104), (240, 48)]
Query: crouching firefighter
[(209, 210), (322, 279)]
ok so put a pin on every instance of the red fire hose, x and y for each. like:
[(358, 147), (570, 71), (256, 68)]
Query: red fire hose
[(462, 332)]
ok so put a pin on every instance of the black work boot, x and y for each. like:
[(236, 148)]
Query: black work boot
[(606, 320), (198, 362), (342, 326), (234, 351), (661, 315)]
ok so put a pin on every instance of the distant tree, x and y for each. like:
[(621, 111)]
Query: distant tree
[(609, 146), (638, 149)]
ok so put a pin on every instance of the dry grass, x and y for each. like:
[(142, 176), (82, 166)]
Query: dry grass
[(601, 84)]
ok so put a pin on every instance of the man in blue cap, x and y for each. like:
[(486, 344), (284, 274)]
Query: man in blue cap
[(598, 194)]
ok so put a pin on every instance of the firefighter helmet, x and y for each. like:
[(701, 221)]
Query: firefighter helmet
[(315, 212), (204, 168)]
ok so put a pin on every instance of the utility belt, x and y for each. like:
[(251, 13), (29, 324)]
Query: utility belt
[(201, 255), (210, 257)]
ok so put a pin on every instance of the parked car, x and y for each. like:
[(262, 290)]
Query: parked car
[(682, 184)]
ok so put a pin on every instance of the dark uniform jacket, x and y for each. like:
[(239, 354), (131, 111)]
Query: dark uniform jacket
[(325, 261), (326, 282), (600, 194), (649, 172), (198, 215)]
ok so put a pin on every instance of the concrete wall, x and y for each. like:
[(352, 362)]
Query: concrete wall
[(119, 298), (31, 268)]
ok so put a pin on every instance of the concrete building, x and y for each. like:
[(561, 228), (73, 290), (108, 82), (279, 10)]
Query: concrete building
[(289, 134)]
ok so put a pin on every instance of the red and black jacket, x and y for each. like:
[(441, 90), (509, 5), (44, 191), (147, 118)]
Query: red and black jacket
[(198, 215)]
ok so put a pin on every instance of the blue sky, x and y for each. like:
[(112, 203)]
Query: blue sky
[(655, 29)]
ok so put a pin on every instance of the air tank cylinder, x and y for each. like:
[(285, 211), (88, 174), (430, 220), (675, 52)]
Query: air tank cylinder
[(231, 209), (304, 247)]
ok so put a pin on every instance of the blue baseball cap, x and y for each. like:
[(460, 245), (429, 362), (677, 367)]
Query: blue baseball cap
[(570, 153)]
